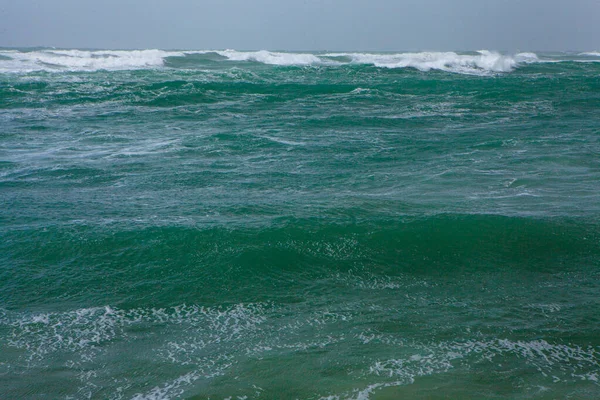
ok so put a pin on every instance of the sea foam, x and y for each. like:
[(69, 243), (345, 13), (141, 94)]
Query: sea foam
[(81, 60), (273, 58), (481, 63)]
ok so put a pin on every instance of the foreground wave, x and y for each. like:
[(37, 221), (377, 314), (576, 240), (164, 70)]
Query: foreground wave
[(367, 305)]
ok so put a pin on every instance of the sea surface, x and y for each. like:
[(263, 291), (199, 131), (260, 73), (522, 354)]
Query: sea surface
[(273, 225)]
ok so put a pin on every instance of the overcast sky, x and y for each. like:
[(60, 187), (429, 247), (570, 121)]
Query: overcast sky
[(505, 25)]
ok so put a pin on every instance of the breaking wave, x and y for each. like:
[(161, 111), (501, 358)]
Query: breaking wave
[(81, 60), (482, 62), (272, 58)]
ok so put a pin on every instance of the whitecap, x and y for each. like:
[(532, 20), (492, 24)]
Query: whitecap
[(484, 62), (270, 57), (83, 60), (526, 58)]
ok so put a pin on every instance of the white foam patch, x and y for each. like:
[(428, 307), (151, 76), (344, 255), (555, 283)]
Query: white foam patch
[(591, 54), (554, 362), (210, 368), (80, 60), (547, 358), (206, 342), (273, 58), (83, 339), (526, 58), (484, 62), (85, 331)]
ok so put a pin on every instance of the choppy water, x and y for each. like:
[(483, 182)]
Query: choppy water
[(223, 224)]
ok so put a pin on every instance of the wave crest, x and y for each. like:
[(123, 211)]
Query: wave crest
[(484, 62), (273, 58), (82, 60), (481, 63)]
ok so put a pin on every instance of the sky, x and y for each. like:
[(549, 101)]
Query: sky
[(377, 25)]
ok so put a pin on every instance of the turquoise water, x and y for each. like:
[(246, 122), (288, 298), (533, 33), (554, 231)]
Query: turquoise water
[(244, 225)]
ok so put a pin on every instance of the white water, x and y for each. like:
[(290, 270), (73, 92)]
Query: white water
[(80, 60), (483, 62), (273, 58)]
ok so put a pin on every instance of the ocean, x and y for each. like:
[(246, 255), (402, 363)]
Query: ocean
[(275, 225)]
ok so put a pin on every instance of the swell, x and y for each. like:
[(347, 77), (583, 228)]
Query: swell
[(169, 265), (386, 306)]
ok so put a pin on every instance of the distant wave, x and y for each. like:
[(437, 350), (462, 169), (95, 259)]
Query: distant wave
[(483, 62), (273, 58), (591, 53), (80, 60)]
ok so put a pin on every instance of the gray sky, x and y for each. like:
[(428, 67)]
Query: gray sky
[(506, 25)]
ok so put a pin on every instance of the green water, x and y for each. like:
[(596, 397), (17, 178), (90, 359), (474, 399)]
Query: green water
[(299, 226)]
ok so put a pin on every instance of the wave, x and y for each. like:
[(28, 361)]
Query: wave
[(272, 58), (482, 62), (81, 60), (449, 239), (208, 306)]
